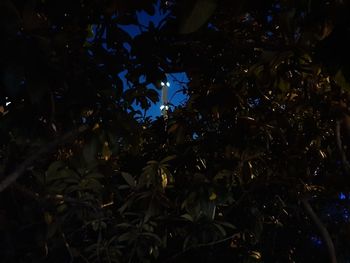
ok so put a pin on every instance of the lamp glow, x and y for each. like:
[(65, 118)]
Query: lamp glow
[(162, 107)]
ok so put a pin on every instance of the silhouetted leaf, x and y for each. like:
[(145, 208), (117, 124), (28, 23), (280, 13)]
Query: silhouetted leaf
[(341, 81), (129, 179), (197, 16)]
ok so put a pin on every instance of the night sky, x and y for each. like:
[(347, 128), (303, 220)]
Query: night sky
[(177, 80)]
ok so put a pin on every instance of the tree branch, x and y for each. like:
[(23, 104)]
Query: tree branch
[(345, 162), (10, 179), (53, 199), (323, 230)]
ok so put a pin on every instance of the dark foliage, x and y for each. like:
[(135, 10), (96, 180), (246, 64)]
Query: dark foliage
[(248, 170)]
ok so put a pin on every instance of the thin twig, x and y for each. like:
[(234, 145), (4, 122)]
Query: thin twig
[(71, 256), (10, 179), (53, 107), (341, 150), (323, 230)]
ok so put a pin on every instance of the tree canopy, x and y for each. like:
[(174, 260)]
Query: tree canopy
[(252, 168)]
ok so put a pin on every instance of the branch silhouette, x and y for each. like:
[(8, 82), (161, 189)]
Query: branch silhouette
[(11, 178)]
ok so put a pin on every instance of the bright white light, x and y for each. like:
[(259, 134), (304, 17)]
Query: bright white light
[(168, 84), (166, 107), (162, 84), (8, 103)]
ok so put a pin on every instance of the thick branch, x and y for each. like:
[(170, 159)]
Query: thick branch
[(35, 156), (323, 230)]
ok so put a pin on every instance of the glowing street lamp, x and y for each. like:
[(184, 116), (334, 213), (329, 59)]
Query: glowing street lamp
[(165, 104)]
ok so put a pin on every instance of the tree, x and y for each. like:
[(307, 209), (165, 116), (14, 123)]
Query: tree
[(247, 170)]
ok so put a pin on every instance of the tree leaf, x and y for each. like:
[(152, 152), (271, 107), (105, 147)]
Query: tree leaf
[(95, 176), (198, 16), (153, 236), (212, 196), (341, 80), (66, 175), (168, 159), (255, 254), (90, 150), (226, 224), (129, 179), (106, 152), (126, 237), (54, 167), (221, 229), (164, 178), (187, 217)]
